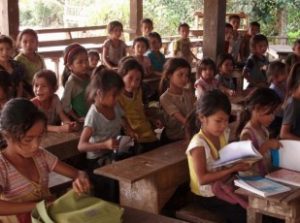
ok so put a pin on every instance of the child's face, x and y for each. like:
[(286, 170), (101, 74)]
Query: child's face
[(155, 44), (264, 115), (93, 61), (30, 142), (80, 64), (140, 48), (28, 43), (260, 48), (116, 33), (146, 29), (42, 90), (207, 73), (184, 32), (296, 50), (235, 23), (226, 67), (109, 98), (253, 30), (279, 79), (5, 52), (180, 77), (215, 124), (132, 80)]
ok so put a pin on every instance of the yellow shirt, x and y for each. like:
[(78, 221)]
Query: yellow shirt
[(134, 112)]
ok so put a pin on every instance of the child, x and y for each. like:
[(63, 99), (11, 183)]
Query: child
[(94, 59), (176, 101), (131, 102), (290, 128), (27, 42), (114, 48), (212, 112), (156, 57), (102, 125), (254, 28), (73, 99), (206, 81), (294, 57), (140, 47), (146, 27), (235, 21), (256, 65), (228, 38), (44, 87), (182, 46), (254, 120), (24, 166), (227, 83), (14, 68), (5, 88)]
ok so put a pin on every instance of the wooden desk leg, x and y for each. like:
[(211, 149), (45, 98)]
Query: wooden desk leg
[(253, 216)]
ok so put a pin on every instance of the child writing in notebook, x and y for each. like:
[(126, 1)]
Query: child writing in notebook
[(24, 166), (257, 115), (206, 81), (211, 116), (177, 100), (44, 87), (114, 49), (290, 128), (76, 79)]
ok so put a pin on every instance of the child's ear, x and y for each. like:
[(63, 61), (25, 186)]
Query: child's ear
[(99, 93), (202, 118)]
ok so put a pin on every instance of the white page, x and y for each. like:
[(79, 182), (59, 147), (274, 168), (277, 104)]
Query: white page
[(125, 142), (289, 154)]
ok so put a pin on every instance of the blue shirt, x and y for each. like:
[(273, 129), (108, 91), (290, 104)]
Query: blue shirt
[(157, 60)]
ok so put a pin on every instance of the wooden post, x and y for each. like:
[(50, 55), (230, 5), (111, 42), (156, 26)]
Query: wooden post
[(214, 26), (136, 15), (9, 23)]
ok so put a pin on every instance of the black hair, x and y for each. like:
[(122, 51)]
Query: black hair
[(259, 98), (184, 24), (130, 64), (293, 81), (257, 39), (222, 58), (28, 32), (255, 23), (142, 40), (18, 116), (94, 53), (234, 16), (147, 21), (210, 103), (155, 35), (228, 25), (114, 24), (205, 62), (5, 82), (275, 68)]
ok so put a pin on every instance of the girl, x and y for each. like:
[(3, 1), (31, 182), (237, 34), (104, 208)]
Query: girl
[(15, 69), (27, 42), (206, 71), (102, 125), (44, 87), (227, 83), (294, 57), (114, 48), (176, 101), (140, 47), (5, 88), (76, 74), (131, 101), (212, 113), (256, 65), (254, 120), (290, 128), (94, 59), (24, 167)]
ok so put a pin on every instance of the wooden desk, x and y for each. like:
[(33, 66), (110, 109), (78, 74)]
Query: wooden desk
[(63, 145), (147, 181), (285, 206)]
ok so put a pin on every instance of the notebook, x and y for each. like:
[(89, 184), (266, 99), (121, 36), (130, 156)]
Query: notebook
[(285, 176)]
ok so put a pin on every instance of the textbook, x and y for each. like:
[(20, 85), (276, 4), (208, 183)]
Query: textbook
[(285, 176), (261, 186), (236, 152)]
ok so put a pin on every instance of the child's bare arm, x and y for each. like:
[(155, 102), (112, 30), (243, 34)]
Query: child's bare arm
[(285, 133), (13, 208), (106, 58), (180, 118)]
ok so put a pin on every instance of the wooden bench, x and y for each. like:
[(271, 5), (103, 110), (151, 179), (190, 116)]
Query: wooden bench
[(147, 181)]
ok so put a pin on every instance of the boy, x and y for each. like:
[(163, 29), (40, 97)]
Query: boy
[(146, 27), (235, 21)]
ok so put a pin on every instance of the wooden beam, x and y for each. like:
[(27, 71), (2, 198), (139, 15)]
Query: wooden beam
[(214, 26), (9, 23), (136, 15)]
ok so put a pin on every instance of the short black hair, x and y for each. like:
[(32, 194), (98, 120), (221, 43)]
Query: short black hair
[(141, 39)]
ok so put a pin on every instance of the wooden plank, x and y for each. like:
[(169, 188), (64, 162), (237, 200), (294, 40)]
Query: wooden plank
[(74, 29), (9, 23), (66, 42), (136, 15)]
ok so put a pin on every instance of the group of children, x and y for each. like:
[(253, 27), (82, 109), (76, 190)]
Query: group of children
[(107, 100)]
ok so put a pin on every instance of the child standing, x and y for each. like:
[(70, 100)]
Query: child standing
[(257, 64), (44, 87), (254, 28), (182, 46), (114, 49), (131, 101), (294, 57), (27, 42), (94, 59), (227, 83), (146, 27), (212, 112), (290, 128), (206, 81), (176, 101), (140, 47), (14, 68), (73, 99), (235, 21), (156, 57), (255, 118), (24, 167)]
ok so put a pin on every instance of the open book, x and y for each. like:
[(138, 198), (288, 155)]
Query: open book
[(285, 176), (236, 152), (261, 186)]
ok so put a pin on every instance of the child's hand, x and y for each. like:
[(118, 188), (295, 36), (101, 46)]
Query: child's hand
[(74, 126), (81, 184), (132, 134), (65, 128), (232, 93), (242, 166), (112, 143), (272, 144)]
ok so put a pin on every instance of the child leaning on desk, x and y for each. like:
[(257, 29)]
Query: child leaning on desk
[(24, 167)]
